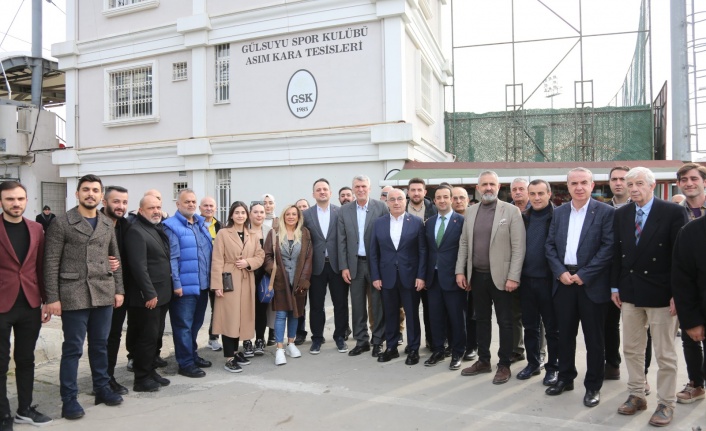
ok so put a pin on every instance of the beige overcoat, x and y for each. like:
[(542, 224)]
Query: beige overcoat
[(234, 313)]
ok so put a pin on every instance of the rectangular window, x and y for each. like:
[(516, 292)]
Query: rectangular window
[(130, 93), (425, 97), (113, 8), (222, 194), (179, 71), (222, 81), (121, 3), (179, 187)]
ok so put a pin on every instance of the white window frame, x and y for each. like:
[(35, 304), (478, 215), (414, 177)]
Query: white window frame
[(219, 85), (177, 187), (425, 90), (113, 8), (425, 7), (180, 71), (153, 118)]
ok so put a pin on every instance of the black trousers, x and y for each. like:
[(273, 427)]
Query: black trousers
[(471, 331), (144, 325), (485, 295), (211, 298), (612, 335), (447, 316), (317, 297), (230, 346), (25, 322), (571, 306), (409, 299), (537, 307), (694, 358), (114, 336), (428, 336)]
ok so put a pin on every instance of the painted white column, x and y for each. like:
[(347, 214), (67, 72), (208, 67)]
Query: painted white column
[(71, 184), (394, 71), (199, 184), (198, 91)]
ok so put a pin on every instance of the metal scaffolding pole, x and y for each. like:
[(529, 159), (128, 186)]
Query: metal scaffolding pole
[(681, 149)]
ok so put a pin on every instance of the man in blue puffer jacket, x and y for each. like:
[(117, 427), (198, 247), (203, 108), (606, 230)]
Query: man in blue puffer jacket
[(191, 248)]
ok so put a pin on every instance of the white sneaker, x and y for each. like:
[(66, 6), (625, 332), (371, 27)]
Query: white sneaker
[(280, 359), (292, 351), (215, 345)]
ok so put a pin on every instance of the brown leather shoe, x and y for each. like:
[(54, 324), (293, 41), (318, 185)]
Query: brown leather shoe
[(611, 372), (502, 375), (477, 368), (662, 416), (633, 405)]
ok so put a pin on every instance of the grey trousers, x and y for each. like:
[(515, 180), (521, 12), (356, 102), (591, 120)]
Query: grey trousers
[(360, 286)]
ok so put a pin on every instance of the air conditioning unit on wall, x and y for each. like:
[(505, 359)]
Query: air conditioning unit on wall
[(12, 141)]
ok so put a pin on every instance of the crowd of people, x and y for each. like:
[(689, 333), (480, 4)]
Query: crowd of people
[(541, 269)]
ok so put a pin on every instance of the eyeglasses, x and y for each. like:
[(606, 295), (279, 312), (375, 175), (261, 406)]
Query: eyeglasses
[(383, 194)]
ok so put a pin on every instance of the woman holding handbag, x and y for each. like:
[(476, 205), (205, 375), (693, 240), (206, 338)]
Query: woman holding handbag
[(290, 253), (236, 254)]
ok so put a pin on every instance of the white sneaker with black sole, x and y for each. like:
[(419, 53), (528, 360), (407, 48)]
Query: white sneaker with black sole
[(215, 345), (232, 367)]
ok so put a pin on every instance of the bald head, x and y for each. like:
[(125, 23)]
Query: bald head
[(459, 200), (151, 208), (384, 193), (154, 192), (207, 208)]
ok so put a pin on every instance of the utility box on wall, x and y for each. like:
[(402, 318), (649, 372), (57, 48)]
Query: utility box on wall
[(18, 126)]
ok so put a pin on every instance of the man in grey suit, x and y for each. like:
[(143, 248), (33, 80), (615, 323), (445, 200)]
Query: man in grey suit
[(579, 249), (489, 264), (355, 227), (83, 287), (322, 222)]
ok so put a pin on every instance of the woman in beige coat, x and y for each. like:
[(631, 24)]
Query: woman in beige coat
[(237, 251)]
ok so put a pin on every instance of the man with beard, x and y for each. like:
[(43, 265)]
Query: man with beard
[(150, 292), (21, 297), (114, 207), (345, 195), (490, 256), (190, 249), (82, 288)]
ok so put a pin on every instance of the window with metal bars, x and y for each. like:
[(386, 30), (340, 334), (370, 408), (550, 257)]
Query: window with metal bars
[(120, 3), (130, 93), (425, 89), (179, 71), (222, 81), (223, 194), (179, 187)]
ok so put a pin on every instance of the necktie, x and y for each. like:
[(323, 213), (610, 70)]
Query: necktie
[(638, 224), (440, 233)]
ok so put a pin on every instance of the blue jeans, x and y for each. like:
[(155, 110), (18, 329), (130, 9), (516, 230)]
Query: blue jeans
[(292, 324), (76, 324), (186, 314)]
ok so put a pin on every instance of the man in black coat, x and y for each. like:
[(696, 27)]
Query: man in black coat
[(148, 254), (644, 232), (45, 217)]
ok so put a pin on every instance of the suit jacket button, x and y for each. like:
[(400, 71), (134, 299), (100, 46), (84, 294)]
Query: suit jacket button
[(631, 271), (623, 255), (654, 259), (645, 272)]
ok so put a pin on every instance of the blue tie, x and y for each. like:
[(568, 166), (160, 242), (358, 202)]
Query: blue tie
[(638, 224)]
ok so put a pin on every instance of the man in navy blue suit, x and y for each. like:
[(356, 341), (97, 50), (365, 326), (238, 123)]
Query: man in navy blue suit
[(579, 249), (398, 254), (447, 301)]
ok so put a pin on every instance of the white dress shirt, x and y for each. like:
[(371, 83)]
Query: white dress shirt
[(396, 229), (324, 216), (576, 220), (361, 213)]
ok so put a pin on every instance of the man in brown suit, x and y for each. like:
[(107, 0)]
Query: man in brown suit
[(82, 287), (21, 297)]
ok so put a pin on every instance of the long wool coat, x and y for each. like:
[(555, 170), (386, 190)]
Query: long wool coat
[(234, 313), (290, 296)]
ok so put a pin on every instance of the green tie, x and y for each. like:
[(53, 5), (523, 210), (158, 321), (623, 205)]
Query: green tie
[(440, 233)]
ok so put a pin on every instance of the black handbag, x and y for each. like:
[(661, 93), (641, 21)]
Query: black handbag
[(227, 282)]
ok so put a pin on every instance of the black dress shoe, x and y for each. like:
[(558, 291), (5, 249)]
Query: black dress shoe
[(592, 398), (559, 388), (201, 362), (435, 358), (357, 350), (529, 371), (146, 385), (551, 378), (455, 362), (388, 355), (470, 355), (192, 372), (447, 351), (412, 358), (159, 379), (117, 387), (377, 348), (300, 338), (158, 362)]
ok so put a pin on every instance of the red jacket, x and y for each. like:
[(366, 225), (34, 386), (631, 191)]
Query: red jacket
[(29, 275)]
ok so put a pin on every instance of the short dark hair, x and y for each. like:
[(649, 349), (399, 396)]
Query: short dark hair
[(618, 168), (109, 189), (11, 185), (539, 181), (344, 188), (686, 167), (237, 204), (444, 187), (321, 180), (417, 180), (90, 178)]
